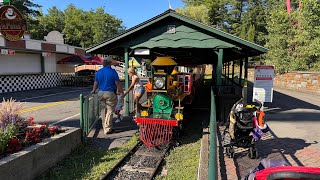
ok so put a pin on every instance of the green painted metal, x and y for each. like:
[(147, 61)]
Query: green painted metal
[(188, 43), (126, 61), (228, 69), (89, 113), (185, 36), (141, 33), (213, 145), (162, 103), (81, 113), (219, 67)]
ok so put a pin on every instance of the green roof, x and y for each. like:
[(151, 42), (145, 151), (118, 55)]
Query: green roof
[(190, 37)]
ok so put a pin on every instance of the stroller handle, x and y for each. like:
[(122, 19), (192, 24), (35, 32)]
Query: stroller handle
[(260, 104)]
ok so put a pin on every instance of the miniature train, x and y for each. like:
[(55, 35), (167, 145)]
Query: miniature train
[(161, 120)]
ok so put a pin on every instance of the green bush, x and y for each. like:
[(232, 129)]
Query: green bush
[(6, 134)]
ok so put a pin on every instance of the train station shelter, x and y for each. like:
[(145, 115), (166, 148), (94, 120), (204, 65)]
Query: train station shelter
[(189, 43), (182, 38)]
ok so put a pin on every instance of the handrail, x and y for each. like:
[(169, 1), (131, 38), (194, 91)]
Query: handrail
[(89, 112), (213, 144)]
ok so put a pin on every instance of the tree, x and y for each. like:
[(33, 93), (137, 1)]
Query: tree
[(305, 43), (215, 8), (53, 20), (251, 33), (26, 7), (88, 28), (29, 10), (196, 12), (104, 26), (279, 32)]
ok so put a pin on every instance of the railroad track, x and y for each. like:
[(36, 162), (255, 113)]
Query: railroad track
[(140, 163)]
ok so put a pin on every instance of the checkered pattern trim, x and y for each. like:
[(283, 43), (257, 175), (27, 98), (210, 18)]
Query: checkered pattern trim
[(27, 82)]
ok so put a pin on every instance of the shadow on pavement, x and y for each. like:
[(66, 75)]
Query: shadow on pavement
[(288, 108), (123, 131), (273, 148), (69, 123), (54, 94)]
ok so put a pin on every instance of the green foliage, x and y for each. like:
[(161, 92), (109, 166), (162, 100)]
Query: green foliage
[(88, 162), (81, 28), (197, 12), (8, 118), (251, 33), (278, 28), (26, 7), (294, 41), (6, 134), (89, 28), (54, 20), (233, 16)]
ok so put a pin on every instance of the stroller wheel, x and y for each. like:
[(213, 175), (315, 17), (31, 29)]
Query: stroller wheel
[(230, 152), (253, 153)]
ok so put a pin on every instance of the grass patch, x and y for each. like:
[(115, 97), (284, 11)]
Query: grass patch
[(87, 162), (183, 161)]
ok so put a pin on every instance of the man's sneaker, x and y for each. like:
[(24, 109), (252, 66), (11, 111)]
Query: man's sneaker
[(118, 120)]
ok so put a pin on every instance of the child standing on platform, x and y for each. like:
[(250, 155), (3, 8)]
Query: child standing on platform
[(119, 107)]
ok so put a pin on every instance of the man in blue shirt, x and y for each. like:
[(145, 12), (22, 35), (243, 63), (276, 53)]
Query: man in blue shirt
[(108, 83)]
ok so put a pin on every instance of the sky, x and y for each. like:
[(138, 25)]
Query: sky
[(131, 12)]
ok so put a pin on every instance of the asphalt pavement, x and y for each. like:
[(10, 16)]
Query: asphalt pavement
[(58, 105), (295, 115)]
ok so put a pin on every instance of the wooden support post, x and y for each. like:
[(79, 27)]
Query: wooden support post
[(232, 72), (228, 72), (240, 75), (126, 61)]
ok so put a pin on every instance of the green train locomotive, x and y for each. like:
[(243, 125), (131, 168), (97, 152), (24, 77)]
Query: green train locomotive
[(170, 90)]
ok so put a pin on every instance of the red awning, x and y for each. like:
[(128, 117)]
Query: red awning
[(100, 60), (78, 59)]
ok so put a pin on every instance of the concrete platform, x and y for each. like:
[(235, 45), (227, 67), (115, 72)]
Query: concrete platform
[(123, 132)]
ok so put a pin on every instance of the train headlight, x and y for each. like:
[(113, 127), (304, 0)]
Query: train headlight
[(144, 113), (159, 83), (179, 116)]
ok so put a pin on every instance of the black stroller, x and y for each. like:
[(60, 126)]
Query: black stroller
[(242, 129)]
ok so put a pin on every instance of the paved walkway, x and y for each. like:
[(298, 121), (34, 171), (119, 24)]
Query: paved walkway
[(123, 132), (294, 119)]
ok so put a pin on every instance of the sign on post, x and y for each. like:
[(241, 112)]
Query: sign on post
[(263, 83), (8, 52), (12, 23)]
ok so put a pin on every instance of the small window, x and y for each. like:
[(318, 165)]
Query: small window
[(171, 29)]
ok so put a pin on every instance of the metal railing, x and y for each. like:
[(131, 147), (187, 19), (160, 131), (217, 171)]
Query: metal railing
[(213, 145), (89, 112)]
